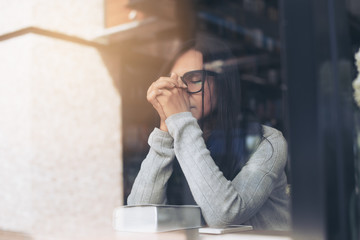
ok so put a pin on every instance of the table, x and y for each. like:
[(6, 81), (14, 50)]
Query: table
[(190, 234)]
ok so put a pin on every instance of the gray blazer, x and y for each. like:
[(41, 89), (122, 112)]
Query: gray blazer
[(256, 196)]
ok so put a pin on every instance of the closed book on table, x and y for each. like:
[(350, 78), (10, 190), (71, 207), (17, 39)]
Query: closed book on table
[(226, 229), (156, 218)]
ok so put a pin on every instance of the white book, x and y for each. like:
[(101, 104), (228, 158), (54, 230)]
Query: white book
[(227, 229), (156, 218)]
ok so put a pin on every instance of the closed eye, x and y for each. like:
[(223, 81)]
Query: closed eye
[(196, 82)]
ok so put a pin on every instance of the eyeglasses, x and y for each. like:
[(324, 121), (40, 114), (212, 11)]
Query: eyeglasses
[(195, 79)]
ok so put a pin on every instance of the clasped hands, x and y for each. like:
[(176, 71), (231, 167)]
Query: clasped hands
[(169, 96)]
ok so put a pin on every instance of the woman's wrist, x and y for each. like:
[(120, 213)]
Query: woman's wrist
[(163, 126)]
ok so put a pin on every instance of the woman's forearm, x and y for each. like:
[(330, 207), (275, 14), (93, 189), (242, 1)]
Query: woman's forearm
[(150, 184)]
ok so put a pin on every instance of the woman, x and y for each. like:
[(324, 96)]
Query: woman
[(204, 131)]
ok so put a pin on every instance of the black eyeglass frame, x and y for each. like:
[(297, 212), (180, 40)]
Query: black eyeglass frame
[(204, 73)]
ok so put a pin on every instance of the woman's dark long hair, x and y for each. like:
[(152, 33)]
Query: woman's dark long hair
[(229, 115)]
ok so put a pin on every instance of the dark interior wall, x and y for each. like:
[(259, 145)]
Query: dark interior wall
[(317, 61)]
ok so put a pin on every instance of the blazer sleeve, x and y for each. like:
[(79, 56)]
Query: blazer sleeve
[(150, 184)]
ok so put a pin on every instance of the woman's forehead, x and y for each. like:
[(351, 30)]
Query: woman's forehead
[(189, 61)]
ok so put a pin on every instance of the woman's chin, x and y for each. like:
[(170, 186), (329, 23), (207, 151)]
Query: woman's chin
[(195, 113)]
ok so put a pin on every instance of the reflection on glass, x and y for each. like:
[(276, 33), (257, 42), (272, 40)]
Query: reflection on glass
[(234, 89)]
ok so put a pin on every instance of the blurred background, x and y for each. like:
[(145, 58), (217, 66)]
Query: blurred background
[(74, 119)]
